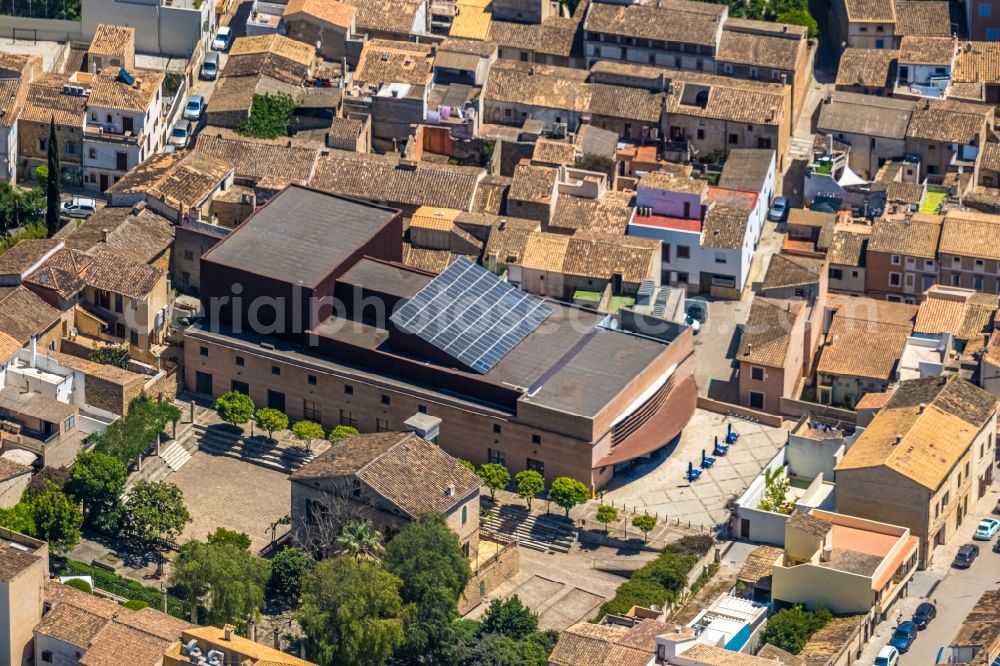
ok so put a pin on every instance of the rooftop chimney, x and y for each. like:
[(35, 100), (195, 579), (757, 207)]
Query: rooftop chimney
[(227, 632), (449, 491), (923, 406), (899, 438)]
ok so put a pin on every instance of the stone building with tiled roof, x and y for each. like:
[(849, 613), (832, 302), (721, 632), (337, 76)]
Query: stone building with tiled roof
[(867, 71), (902, 256), (847, 258), (111, 46), (47, 100), (966, 315), (329, 23), (969, 250), (174, 184), (901, 471), (956, 130)]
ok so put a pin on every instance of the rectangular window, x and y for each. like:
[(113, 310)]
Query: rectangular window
[(311, 411), (720, 257), (347, 419), (275, 370), (69, 423), (133, 338), (348, 389), (121, 161), (496, 456), (203, 351), (683, 252), (734, 139), (203, 383), (985, 9), (894, 279), (382, 425), (895, 259), (756, 400), (536, 465), (311, 380), (422, 409), (276, 400), (836, 274), (240, 387), (47, 656), (386, 400), (119, 303), (536, 439), (496, 428), (757, 374), (240, 361)]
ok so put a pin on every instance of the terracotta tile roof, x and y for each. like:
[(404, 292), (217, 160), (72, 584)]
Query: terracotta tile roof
[(625, 102), (71, 625), (670, 21), (331, 11), (541, 88), (477, 47), (180, 178), (829, 642), (8, 347), (586, 644), (849, 245), (858, 345), (907, 237), (62, 273), (11, 100), (923, 17), (535, 184), (964, 313), (717, 656), (918, 50), (109, 373), (24, 314), (989, 155), (970, 234), (729, 101), (144, 236), (115, 273), (871, 68), (899, 191), (15, 62), (120, 645), (872, 309), (725, 227), (293, 50), (949, 121), (746, 169), (556, 35), (108, 91), (46, 100), (386, 178), (491, 193), (253, 66), (13, 561), (385, 61), (786, 270), (110, 39), (403, 468), (977, 62), (672, 181), (472, 20), (760, 44), (432, 261), (871, 11), (608, 214), (803, 217), (271, 164), (395, 16), (786, 658), (810, 524), (632, 257), (25, 254), (873, 400), (759, 564), (552, 152), (981, 626), (951, 405), (767, 332), (345, 129), (545, 252)]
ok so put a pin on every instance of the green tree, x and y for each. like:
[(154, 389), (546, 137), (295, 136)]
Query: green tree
[(97, 480), (568, 492), (116, 355), (269, 419), (495, 477), (351, 613), (775, 496), (155, 511), (287, 570), (800, 17), (467, 465), (234, 408), (427, 556), (308, 430), (58, 520), (509, 617), (645, 523), (130, 436), (340, 432), (19, 518), (81, 585), (529, 484), (53, 195), (790, 629), (360, 541), (270, 116), (20, 207), (223, 575), (607, 514)]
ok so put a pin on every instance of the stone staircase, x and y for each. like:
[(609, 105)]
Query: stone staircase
[(543, 533), (223, 441), (175, 455)]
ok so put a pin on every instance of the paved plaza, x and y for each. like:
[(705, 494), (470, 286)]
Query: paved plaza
[(222, 491), (659, 485)]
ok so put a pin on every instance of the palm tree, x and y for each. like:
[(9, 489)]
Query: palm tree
[(361, 541)]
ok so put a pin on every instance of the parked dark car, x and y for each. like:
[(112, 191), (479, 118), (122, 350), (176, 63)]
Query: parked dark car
[(903, 636), (924, 614), (965, 556)]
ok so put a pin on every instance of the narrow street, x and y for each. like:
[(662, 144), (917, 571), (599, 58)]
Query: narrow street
[(954, 591)]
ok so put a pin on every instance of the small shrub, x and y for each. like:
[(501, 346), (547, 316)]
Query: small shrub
[(135, 604), (81, 585)]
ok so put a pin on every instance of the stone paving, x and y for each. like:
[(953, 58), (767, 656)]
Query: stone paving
[(658, 486), (222, 491)]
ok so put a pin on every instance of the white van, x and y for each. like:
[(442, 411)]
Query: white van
[(887, 656)]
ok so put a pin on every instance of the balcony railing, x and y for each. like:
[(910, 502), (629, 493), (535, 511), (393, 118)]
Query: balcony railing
[(108, 132)]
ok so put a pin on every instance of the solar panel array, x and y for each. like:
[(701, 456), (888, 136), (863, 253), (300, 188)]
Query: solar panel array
[(471, 315)]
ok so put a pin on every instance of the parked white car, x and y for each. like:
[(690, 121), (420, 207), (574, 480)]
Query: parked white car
[(223, 39), (79, 207)]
